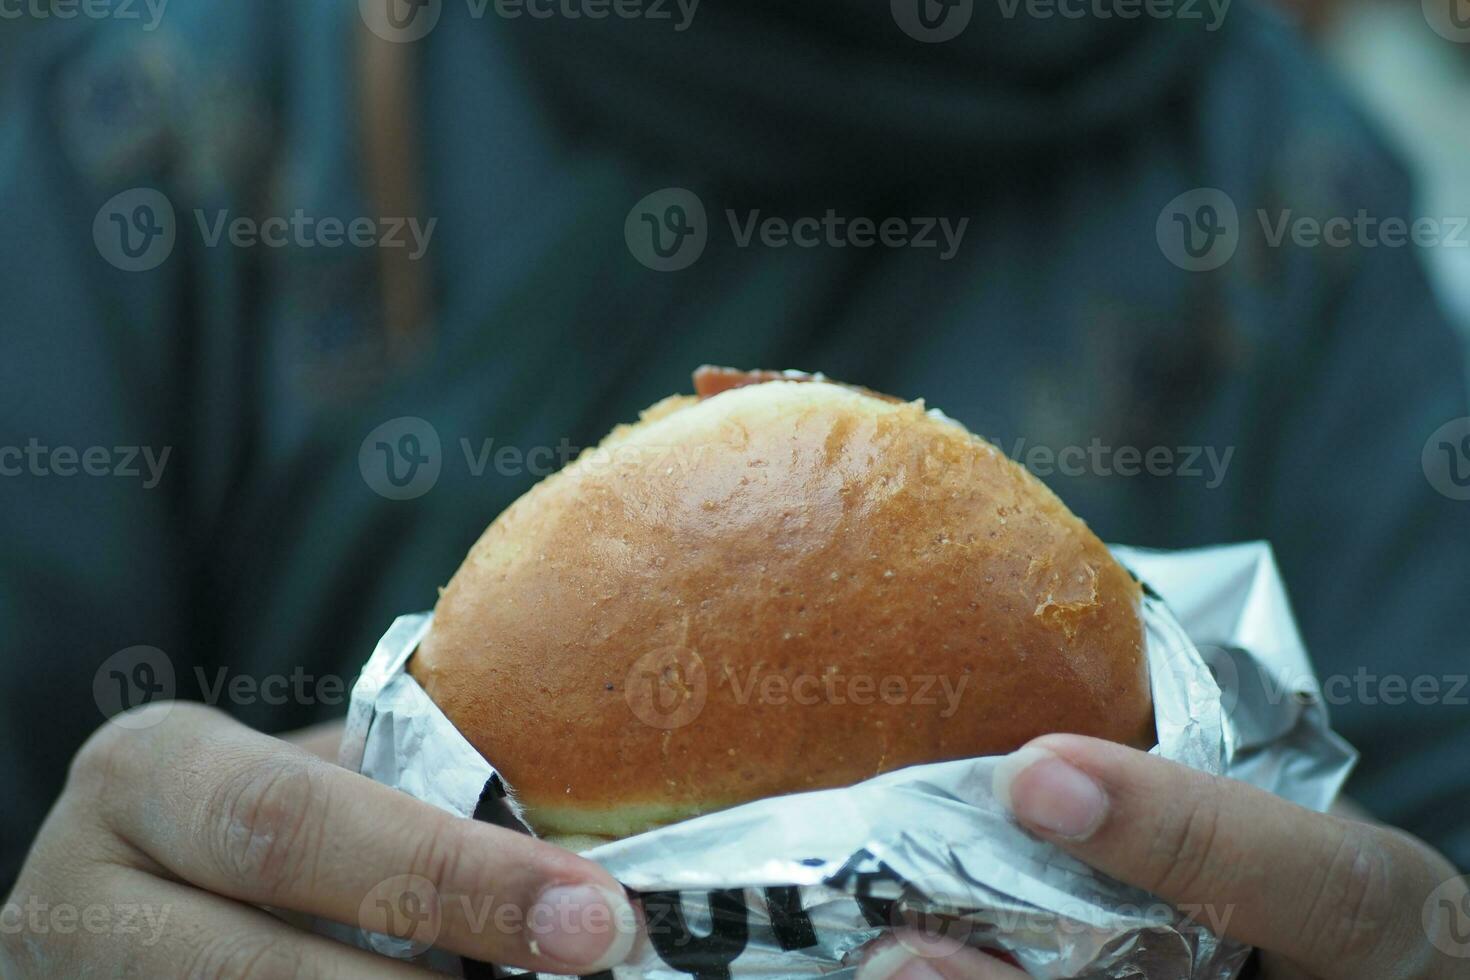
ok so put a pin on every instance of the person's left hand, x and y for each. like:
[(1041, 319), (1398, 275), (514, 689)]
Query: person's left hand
[(1321, 896)]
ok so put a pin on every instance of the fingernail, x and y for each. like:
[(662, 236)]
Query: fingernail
[(1046, 794), (895, 962), (582, 926)]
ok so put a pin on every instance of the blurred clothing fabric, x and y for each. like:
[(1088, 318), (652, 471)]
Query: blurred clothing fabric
[(1314, 377)]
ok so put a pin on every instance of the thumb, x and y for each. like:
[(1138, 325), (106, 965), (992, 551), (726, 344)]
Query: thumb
[(1339, 897)]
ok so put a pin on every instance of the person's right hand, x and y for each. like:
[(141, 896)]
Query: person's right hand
[(196, 822)]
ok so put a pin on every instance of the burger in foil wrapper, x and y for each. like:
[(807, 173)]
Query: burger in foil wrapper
[(759, 655)]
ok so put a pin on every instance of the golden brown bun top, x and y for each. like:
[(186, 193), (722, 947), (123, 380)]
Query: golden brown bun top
[(783, 587)]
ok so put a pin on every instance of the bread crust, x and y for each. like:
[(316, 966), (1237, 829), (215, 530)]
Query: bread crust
[(784, 587)]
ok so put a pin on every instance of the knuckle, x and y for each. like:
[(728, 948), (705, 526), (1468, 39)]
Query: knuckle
[(93, 765), (443, 857), (266, 824), (247, 957), (1353, 911), (1183, 852), (127, 737)]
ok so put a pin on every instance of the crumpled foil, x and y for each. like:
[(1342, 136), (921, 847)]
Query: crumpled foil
[(790, 886)]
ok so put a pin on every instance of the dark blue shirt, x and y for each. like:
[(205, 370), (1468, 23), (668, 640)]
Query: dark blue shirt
[(1288, 394)]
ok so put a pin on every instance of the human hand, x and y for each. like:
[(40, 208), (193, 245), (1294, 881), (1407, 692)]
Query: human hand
[(194, 823), (1321, 896)]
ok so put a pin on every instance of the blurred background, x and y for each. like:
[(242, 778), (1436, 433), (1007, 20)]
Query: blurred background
[(295, 298), (1410, 83)]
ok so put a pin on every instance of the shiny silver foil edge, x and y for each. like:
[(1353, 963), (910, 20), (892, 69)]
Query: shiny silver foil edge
[(932, 838)]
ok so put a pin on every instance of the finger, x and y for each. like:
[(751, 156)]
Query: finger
[(1338, 897), (323, 741), (140, 926), (243, 815), (902, 957)]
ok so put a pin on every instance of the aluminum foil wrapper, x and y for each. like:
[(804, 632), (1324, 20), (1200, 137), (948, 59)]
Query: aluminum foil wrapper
[(792, 886)]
